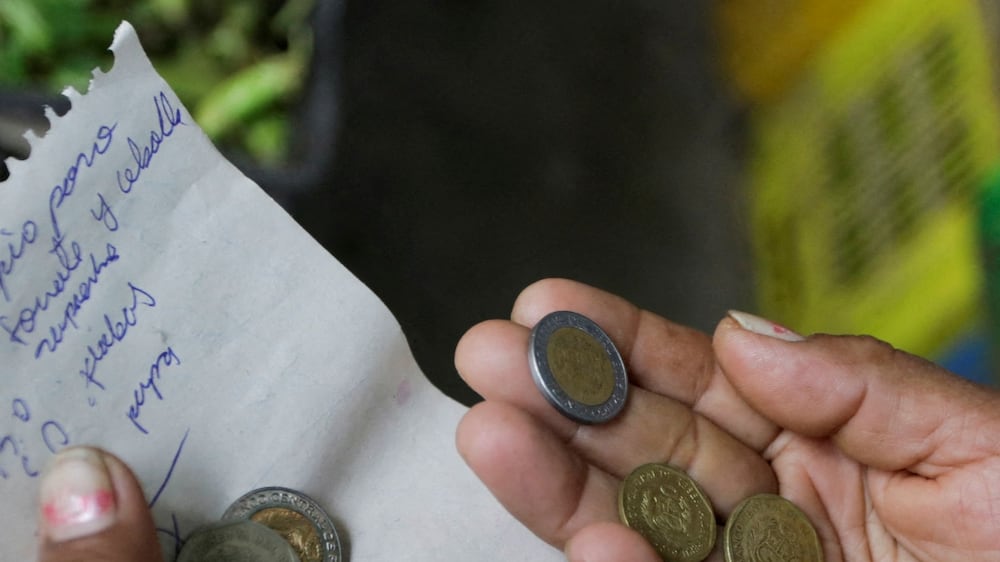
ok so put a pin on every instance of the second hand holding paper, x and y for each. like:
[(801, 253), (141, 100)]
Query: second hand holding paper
[(155, 302)]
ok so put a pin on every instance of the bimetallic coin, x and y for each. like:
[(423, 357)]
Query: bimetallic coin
[(577, 367), (670, 510), (236, 541), (295, 517), (767, 527)]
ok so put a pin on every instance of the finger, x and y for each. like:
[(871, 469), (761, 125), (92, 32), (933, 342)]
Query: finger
[(651, 428), (536, 477), (492, 357), (609, 542), (883, 407), (92, 508), (661, 356)]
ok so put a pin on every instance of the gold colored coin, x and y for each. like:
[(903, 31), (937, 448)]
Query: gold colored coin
[(581, 366), (766, 528), (294, 517), (669, 509), (295, 529)]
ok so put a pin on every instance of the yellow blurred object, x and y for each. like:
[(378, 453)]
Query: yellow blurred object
[(865, 171), (765, 44)]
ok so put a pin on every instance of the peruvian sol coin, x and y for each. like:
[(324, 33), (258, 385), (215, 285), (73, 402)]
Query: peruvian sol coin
[(669, 509), (577, 367), (769, 527), (236, 541), (295, 517)]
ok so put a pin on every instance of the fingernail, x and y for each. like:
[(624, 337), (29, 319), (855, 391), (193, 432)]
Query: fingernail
[(76, 495), (759, 325)]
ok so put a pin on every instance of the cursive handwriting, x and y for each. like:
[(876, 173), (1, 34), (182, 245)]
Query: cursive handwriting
[(105, 214), (20, 409), (84, 160), (51, 431), (168, 119), (15, 445), (70, 260), (116, 332), (57, 331), (8, 443), (15, 249), (166, 359)]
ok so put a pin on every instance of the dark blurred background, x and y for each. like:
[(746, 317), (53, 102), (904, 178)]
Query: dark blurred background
[(485, 145), (450, 153)]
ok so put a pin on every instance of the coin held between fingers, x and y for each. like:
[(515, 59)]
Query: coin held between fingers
[(577, 367)]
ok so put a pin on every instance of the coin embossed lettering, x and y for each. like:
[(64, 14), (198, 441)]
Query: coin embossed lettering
[(295, 517), (768, 527), (668, 508)]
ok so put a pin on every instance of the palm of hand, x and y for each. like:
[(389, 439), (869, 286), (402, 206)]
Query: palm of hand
[(868, 513), (891, 458)]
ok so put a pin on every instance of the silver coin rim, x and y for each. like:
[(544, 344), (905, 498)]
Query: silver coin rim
[(190, 547), (546, 381), (240, 509)]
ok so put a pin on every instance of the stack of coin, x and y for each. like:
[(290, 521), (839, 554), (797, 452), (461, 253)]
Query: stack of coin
[(295, 517), (667, 507), (577, 367), (236, 541), (267, 525)]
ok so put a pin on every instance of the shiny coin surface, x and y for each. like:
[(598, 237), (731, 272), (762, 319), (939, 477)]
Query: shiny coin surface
[(236, 541), (769, 527), (668, 508), (295, 517), (577, 368)]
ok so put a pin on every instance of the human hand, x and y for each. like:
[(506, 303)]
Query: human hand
[(92, 508), (890, 456)]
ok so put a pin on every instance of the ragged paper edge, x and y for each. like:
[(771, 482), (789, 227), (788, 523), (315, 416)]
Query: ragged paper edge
[(125, 38)]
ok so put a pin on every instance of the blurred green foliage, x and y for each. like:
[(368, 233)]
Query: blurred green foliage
[(236, 64)]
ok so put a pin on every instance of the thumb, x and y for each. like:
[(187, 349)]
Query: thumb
[(609, 542), (92, 508), (881, 406)]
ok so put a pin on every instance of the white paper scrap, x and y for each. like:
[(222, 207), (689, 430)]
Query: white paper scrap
[(155, 302)]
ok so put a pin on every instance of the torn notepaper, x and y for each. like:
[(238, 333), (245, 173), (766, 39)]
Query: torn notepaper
[(155, 302)]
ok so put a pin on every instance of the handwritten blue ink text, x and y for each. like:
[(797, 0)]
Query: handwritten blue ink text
[(57, 331), (117, 331), (15, 444), (15, 249), (105, 214), (166, 359), (168, 118), (84, 160), (26, 321)]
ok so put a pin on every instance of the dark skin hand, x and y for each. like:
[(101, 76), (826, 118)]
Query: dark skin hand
[(891, 457)]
